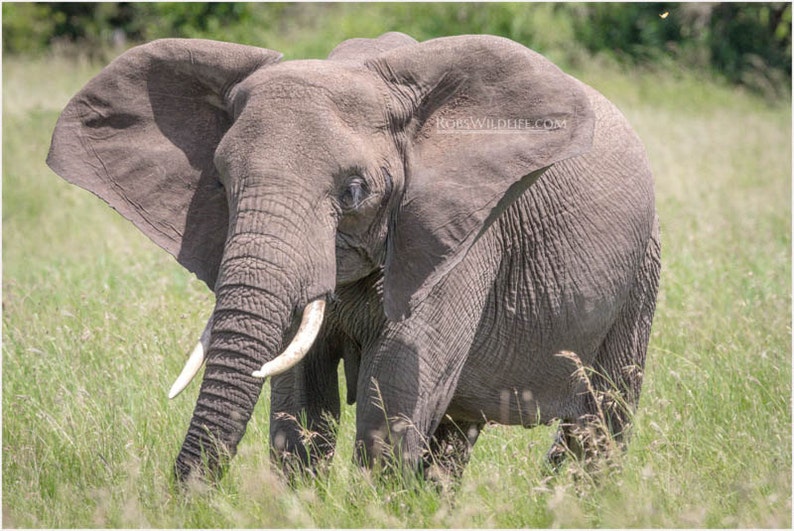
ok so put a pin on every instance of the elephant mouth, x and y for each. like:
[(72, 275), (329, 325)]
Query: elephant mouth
[(311, 322)]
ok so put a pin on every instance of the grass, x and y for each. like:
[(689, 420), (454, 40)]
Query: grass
[(97, 320)]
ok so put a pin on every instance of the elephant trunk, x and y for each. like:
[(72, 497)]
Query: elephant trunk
[(228, 392), (263, 285)]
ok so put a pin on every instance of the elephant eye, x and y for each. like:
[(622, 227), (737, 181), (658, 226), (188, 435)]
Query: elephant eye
[(354, 194)]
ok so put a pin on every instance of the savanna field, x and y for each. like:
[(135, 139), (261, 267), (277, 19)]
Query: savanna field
[(97, 322)]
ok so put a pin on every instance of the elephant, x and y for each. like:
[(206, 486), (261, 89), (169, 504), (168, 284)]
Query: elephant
[(462, 224)]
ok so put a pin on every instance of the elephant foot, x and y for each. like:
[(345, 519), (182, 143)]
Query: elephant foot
[(589, 443), (556, 455), (301, 454), (393, 452), (449, 453)]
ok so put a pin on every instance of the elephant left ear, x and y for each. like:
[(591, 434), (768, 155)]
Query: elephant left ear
[(480, 118)]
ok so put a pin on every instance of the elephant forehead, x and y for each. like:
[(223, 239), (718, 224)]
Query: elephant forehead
[(316, 86), (300, 137), (308, 110)]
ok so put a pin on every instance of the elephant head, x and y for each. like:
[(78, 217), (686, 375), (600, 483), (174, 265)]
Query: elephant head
[(276, 182)]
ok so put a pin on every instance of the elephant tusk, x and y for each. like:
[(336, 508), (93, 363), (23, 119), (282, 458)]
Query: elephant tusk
[(307, 332), (194, 362)]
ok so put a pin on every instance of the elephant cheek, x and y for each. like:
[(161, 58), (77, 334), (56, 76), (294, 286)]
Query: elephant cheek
[(353, 262), (350, 268)]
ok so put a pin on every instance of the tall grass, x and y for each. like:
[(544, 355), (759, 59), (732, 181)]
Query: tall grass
[(96, 321)]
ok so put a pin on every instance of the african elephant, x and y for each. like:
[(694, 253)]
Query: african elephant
[(448, 217)]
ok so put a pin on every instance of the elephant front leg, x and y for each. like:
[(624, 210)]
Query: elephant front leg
[(305, 411), (587, 441), (388, 434), (409, 373), (401, 405)]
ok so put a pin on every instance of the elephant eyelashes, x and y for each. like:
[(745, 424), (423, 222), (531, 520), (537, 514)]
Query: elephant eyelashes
[(354, 195)]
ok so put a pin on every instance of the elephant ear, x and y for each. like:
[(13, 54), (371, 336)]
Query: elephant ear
[(362, 49), (142, 134), (480, 119)]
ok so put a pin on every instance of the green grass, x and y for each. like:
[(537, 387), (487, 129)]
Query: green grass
[(97, 321)]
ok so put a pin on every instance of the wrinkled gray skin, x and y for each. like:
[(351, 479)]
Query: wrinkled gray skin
[(452, 282)]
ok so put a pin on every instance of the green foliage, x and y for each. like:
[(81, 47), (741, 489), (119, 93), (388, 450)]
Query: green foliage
[(751, 44), (748, 44), (230, 21), (27, 27), (634, 31)]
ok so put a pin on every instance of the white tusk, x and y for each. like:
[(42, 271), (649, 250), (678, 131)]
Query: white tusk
[(194, 362), (307, 332)]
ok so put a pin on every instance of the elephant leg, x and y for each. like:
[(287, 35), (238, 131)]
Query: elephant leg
[(616, 380), (408, 376), (620, 362), (388, 436), (305, 411), (589, 441), (450, 450), (576, 438), (403, 395)]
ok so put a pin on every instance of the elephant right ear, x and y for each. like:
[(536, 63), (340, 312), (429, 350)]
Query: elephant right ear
[(142, 135)]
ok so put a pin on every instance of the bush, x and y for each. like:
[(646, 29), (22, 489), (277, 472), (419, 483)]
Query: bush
[(27, 28), (635, 32), (748, 44), (32, 28), (751, 44)]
